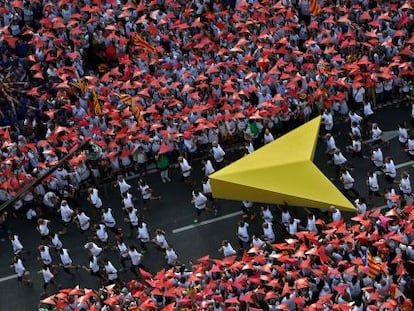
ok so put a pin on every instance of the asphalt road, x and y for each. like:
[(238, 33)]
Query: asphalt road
[(175, 214)]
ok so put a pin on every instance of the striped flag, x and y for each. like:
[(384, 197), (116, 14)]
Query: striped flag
[(370, 266), (125, 98), (138, 41), (80, 85), (314, 7), (97, 106)]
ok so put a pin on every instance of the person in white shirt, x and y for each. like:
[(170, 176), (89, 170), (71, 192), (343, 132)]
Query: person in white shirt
[(185, 169), (111, 271), (66, 213), (200, 203), (377, 158), (227, 249), (56, 242), (330, 145), (293, 226), (93, 249), (171, 256), (267, 137), (208, 193), (356, 147), (348, 183), (16, 244), (108, 219), (66, 261), (389, 170), (48, 278), (208, 168), (336, 213), (127, 201), (123, 252), (339, 161), (83, 221), (94, 198), (143, 235), (45, 256), (376, 134), (160, 239), (328, 121), (42, 228), (267, 213), (258, 242), (368, 112), (123, 185), (248, 146), (373, 185), (243, 233), (94, 268), (311, 224), (405, 184), (218, 154), (20, 271), (403, 134), (246, 208), (136, 259), (268, 232), (146, 193)]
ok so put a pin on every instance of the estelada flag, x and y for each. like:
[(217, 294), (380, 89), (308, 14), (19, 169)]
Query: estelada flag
[(138, 41), (80, 85), (370, 266)]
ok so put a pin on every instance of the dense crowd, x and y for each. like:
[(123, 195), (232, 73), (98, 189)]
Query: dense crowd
[(164, 81)]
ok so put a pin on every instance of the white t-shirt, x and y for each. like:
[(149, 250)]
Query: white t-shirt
[(19, 268), (136, 257), (218, 154), (84, 221), (65, 258), (108, 219), (47, 275), (95, 199), (242, 233), (66, 213), (200, 201), (111, 271), (143, 233), (101, 233), (228, 250)]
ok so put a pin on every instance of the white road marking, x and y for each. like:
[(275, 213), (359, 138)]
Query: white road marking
[(206, 222), (398, 166), (386, 136), (6, 278)]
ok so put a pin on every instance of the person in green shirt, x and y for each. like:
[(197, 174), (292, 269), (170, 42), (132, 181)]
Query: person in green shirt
[(163, 164)]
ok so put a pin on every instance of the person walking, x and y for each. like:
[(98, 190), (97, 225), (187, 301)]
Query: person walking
[(136, 260), (146, 193), (20, 271), (200, 203), (67, 215), (111, 272), (163, 165), (186, 169), (243, 234), (218, 155), (171, 256), (143, 235), (373, 186), (227, 249), (348, 184)]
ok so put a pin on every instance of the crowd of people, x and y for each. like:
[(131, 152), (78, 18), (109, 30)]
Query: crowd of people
[(167, 81)]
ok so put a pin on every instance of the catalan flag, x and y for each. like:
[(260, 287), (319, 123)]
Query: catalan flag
[(125, 98), (80, 85), (97, 105), (370, 266), (314, 7), (139, 41)]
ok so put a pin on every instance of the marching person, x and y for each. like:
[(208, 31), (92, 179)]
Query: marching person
[(48, 278), (348, 183), (227, 249), (43, 229), (208, 193), (171, 256), (67, 214), (243, 234), (218, 154), (147, 193), (111, 272), (16, 245), (132, 219), (56, 242), (136, 260), (93, 249), (185, 169), (163, 165), (94, 199), (66, 261), (405, 185), (45, 256), (160, 240), (20, 271), (143, 235), (207, 168), (373, 185), (200, 203), (123, 252), (123, 185), (377, 158), (94, 268), (390, 171), (268, 233), (83, 221)]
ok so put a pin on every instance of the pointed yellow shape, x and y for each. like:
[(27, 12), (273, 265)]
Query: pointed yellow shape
[(281, 171)]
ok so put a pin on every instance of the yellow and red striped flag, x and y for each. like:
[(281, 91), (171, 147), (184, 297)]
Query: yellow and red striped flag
[(80, 85), (314, 7), (97, 105), (125, 98), (139, 41), (370, 266)]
